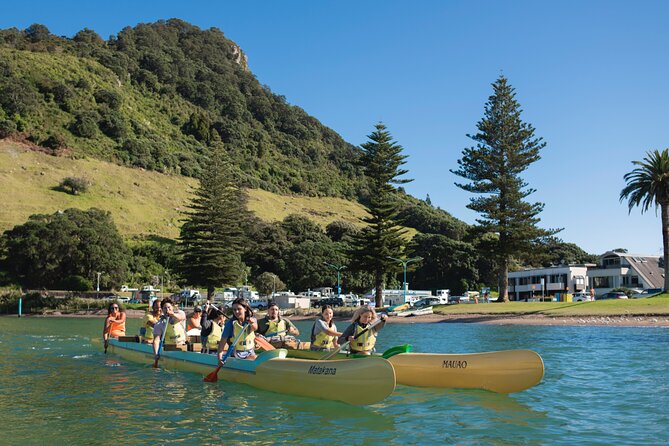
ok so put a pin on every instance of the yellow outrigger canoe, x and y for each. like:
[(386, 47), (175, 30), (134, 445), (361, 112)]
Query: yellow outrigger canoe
[(504, 371), (352, 382)]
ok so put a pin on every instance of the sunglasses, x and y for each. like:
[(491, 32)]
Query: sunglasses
[(114, 307)]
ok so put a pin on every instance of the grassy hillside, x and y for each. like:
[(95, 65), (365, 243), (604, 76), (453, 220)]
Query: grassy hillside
[(141, 202)]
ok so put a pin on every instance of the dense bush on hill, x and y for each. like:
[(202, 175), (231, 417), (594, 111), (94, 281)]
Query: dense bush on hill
[(158, 96)]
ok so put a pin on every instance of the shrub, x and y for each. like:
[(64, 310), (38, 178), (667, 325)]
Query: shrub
[(75, 185), (7, 128), (85, 124), (54, 142), (76, 283)]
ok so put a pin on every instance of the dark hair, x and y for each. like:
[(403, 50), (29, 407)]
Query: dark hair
[(111, 306), (325, 307), (166, 301), (154, 304), (241, 301), (272, 304)]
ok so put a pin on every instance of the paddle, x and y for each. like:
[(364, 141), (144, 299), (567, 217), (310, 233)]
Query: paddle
[(213, 376), (338, 349), (162, 341)]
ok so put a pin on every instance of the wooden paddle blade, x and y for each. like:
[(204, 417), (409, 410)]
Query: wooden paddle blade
[(155, 364), (213, 376), (262, 343)]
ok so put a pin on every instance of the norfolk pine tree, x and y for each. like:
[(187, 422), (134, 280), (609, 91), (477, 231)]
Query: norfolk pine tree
[(505, 148), (213, 233), (382, 237)]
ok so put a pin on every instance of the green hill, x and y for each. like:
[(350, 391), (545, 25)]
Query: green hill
[(162, 96), (141, 202)]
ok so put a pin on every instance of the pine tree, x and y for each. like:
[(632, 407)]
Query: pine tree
[(428, 201), (505, 148), (371, 247), (213, 233)]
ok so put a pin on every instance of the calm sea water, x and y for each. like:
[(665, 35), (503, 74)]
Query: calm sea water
[(603, 385)]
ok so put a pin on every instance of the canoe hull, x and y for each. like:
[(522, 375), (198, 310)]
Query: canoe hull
[(505, 371), (352, 382)]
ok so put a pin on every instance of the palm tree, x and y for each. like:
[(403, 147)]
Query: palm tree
[(648, 186)]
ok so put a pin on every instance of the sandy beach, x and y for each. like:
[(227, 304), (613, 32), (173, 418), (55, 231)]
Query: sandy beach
[(494, 319)]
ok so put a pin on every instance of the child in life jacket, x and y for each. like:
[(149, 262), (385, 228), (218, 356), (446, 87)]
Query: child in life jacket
[(240, 329), (363, 318), (324, 332)]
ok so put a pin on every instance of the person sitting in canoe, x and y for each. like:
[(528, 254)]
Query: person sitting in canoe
[(274, 327), (240, 329), (114, 323), (324, 332), (171, 325), (148, 321), (193, 326), (362, 318), (212, 322)]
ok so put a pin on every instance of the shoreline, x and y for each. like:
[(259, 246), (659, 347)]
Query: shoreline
[(479, 318)]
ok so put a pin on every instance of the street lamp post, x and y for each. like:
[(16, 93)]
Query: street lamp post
[(404, 264), (98, 287), (338, 269)]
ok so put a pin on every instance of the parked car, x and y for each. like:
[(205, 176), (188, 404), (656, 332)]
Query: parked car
[(258, 304), (612, 295), (457, 299), (581, 296), (333, 301), (646, 293)]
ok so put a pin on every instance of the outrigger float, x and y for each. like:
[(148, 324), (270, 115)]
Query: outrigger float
[(353, 382), (506, 371)]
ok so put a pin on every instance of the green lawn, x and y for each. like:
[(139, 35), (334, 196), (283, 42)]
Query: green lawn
[(656, 305)]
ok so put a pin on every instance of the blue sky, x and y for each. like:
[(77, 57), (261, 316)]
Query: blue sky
[(591, 77)]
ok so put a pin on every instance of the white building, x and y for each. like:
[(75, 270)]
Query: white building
[(613, 270), (618, 269), (538, 282)]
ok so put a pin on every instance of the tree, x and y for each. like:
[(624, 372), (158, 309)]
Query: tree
[(267, 283), (213, 233), (75, 185), (505, 148), (49, 250), (371, 247), (447, 263), (648, 186)]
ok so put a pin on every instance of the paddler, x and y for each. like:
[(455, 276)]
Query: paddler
[(149, 321), (212, 322), (324, 332), (275, 328), (193, 326), (241, 328), (171, 324), (362, 319), (114, 323)]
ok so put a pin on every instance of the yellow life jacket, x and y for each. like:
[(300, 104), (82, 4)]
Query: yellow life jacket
[(175, 333), (274, 327), (245, 342), (322, 339), (214, 336), (148, 330), (365, 342)]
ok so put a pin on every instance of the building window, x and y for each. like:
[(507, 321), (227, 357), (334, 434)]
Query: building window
[(600, 282), (524, 280), (612, 261)]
